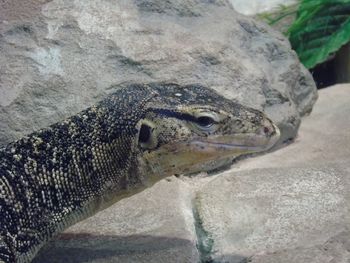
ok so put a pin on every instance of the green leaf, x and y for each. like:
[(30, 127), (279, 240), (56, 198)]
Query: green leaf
[(321, 28)]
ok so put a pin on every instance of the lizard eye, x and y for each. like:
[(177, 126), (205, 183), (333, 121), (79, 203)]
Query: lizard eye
[(205, 121)]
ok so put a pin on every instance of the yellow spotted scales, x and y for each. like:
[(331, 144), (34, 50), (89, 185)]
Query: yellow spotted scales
[(136, 136)]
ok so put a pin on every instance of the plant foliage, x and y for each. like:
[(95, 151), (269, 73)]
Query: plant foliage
[(280, 14), (321, 28)]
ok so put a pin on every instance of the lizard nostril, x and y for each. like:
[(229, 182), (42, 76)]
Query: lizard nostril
[(267, 131)]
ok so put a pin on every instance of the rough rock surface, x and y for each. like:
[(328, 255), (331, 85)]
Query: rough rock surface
[(58, 57), (154, 226), (292, 205)]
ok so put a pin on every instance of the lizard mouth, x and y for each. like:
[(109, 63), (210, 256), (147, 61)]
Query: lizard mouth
[(238, 143), (226, 146), (203, 154)]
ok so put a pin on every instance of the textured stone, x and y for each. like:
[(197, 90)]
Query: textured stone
[(273, 209), (334, 250), (292, 205), (156, 225), (59, 57)]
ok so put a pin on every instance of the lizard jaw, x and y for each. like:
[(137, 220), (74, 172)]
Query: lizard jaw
[(238, 143), (201, 154)]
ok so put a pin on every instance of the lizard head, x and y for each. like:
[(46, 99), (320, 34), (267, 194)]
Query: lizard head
[(192, 128)]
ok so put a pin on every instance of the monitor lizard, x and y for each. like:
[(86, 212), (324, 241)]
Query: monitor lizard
[(57, 176)]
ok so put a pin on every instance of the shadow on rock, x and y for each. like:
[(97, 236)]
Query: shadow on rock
[(79, 248)]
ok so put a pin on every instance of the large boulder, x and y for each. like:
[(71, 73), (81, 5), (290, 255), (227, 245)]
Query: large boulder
[(58, 57)]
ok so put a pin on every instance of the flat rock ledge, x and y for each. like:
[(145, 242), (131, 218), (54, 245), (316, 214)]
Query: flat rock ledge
[(292, 205)]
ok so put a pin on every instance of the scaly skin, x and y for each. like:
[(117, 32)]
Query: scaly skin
[(58, 176)]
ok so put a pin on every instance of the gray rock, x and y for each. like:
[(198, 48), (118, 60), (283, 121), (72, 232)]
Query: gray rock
[(272, 209), (59, 57), (334, 250), (288, 206), (156, 225)]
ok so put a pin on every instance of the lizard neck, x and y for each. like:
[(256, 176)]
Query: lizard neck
[(58, 176)]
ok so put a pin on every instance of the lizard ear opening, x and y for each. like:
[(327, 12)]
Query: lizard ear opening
[(146, 137), (145, 134)]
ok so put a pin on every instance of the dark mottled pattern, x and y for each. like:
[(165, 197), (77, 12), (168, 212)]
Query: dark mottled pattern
[(54, 172), (57, 176)]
